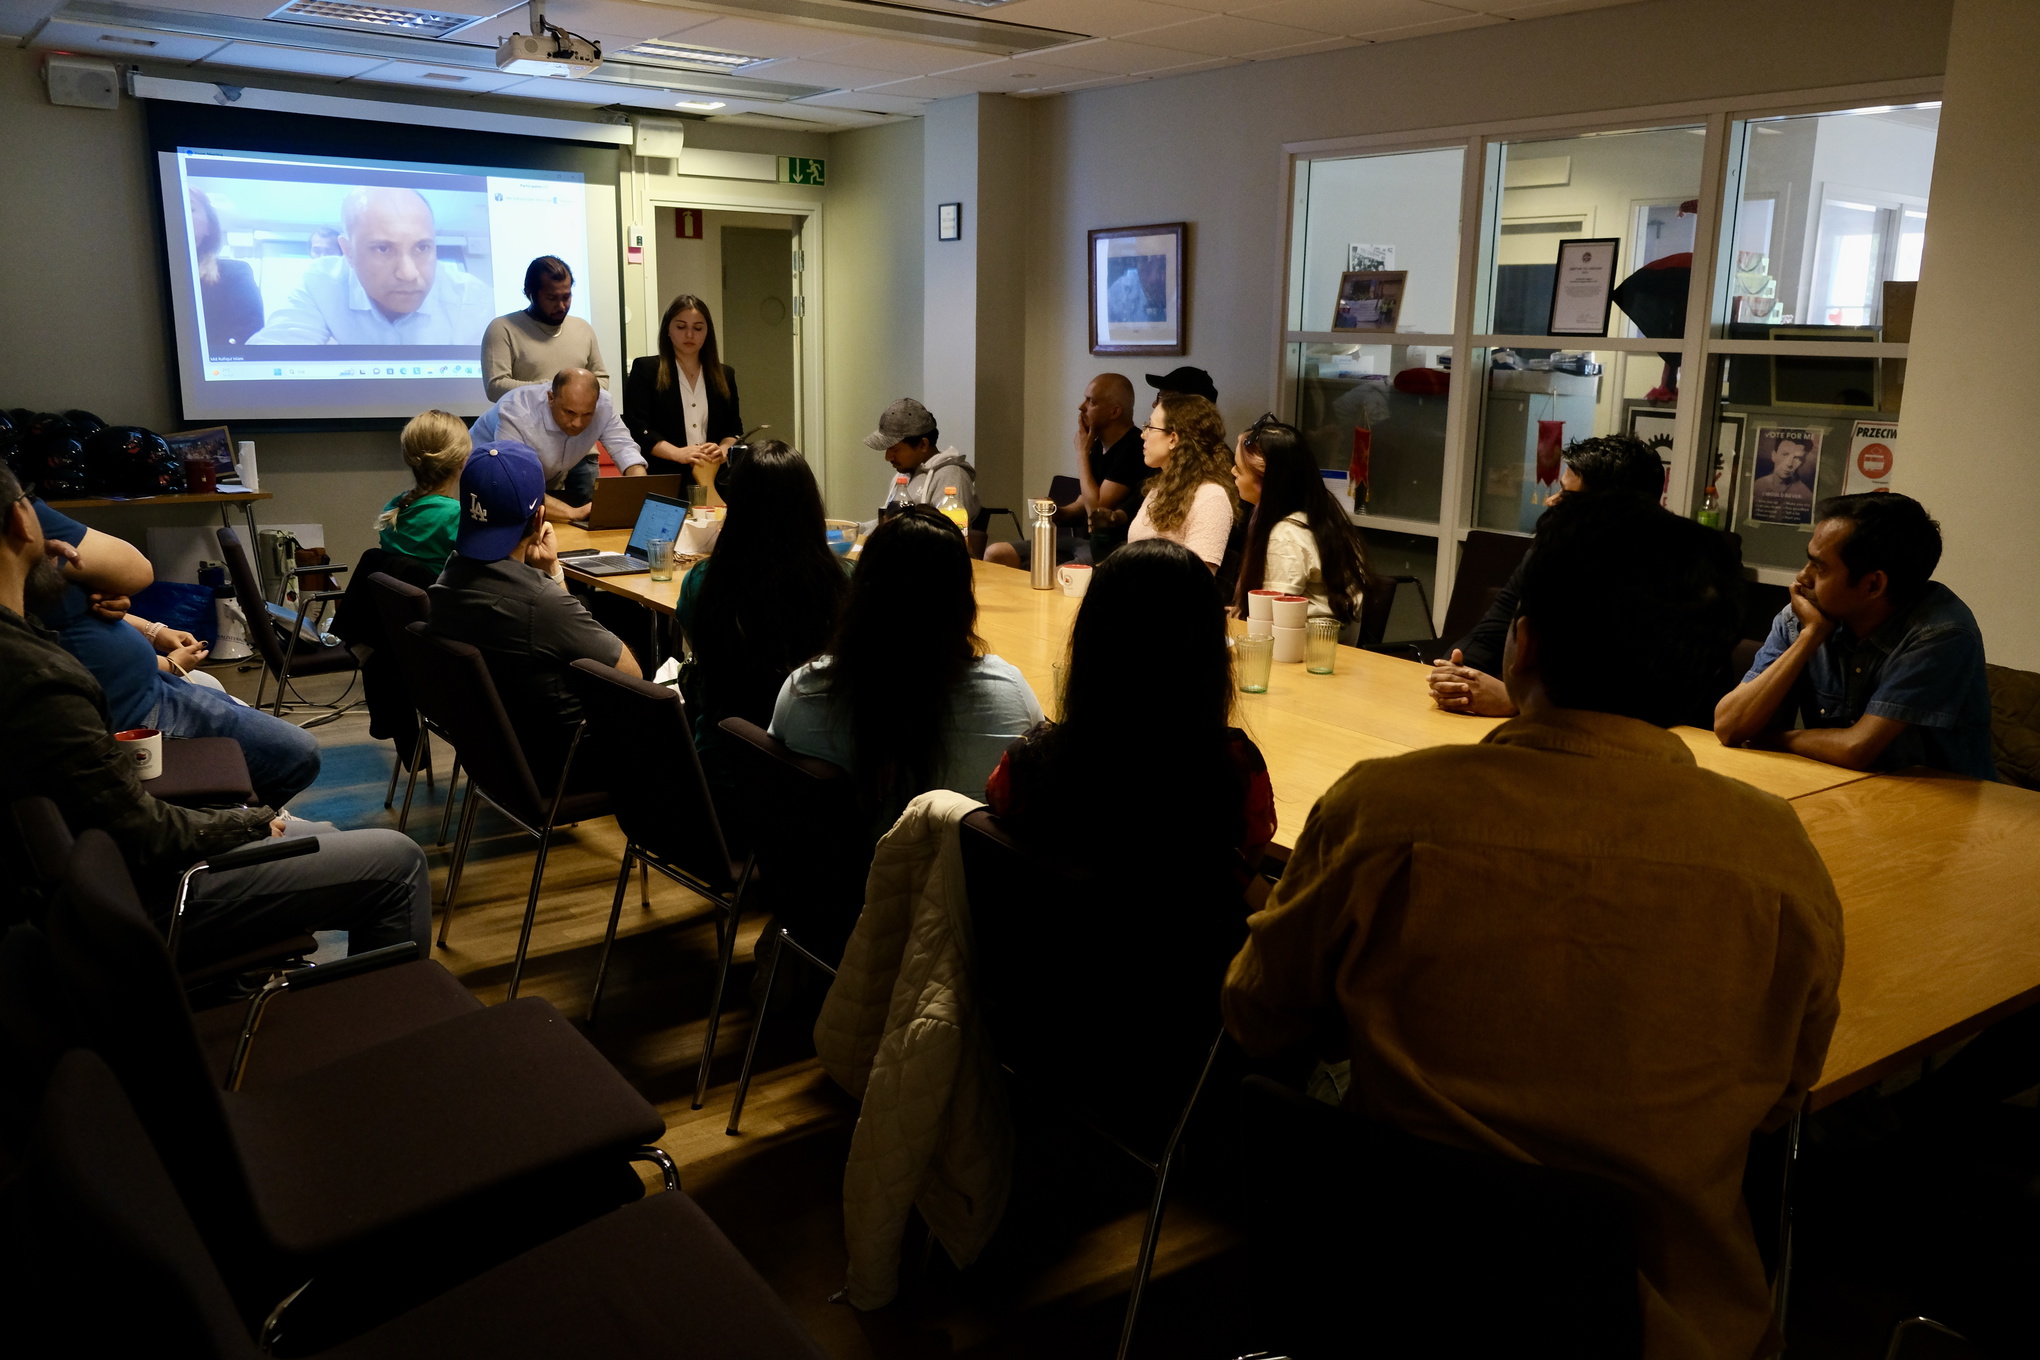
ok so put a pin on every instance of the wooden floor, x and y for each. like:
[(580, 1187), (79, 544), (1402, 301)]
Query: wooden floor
[(1054, 1281)]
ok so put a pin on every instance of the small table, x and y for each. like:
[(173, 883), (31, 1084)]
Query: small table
[(222, 499)]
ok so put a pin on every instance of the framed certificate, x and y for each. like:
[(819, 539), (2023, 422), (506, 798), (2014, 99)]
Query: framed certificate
[(1582, 286), (1140, 297)]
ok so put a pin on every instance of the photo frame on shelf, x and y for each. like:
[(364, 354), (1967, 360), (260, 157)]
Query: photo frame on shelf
[(214, 441), (1583, 286), (1369, 299), (1140, 292)]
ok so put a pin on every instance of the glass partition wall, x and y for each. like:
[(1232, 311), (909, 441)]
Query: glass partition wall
[(1459, 312)]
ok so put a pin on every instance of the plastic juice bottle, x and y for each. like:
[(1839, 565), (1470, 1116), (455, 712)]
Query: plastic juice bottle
[(897, 499), (950, 507), (1710, 509)]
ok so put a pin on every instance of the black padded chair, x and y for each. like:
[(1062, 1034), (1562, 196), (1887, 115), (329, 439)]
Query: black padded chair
[(363, 1161), (1377, 606), (98, 1218), (669, 822), (1155, 945), (365, 622), (812, 841), (1487, 559), (397, 605), (286, 655), (1429, 1249), (457, 677)]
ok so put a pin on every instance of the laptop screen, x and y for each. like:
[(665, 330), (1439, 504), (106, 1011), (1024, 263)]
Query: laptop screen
[(661, 517)]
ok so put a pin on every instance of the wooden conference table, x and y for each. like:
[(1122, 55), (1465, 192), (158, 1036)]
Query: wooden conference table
[(1935, 873)]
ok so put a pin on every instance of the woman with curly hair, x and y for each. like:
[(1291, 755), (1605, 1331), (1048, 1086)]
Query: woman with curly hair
[(1191, 499)]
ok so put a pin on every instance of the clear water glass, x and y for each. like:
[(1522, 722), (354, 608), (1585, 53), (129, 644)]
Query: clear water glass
[(660, 555), (1254, 656), (1321, 645)]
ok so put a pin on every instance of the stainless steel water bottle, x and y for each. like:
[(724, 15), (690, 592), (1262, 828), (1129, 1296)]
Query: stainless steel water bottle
[(1041, 571)]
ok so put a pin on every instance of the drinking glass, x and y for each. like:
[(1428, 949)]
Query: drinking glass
[(1254, 656), (1321, 645), (660, 554)]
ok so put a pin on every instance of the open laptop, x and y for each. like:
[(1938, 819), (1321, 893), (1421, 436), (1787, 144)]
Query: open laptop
[(618, 499), (658, 517)]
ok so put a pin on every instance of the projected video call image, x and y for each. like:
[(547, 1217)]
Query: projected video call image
[(314, 274)]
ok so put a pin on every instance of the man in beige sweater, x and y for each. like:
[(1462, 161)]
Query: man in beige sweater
[(532, 345)]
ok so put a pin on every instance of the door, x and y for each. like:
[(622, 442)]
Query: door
[(758, 331)]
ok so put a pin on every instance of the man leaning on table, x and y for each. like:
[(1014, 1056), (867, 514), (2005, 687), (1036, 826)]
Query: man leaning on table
[(1569, 944), (1881, 664), (561, 423)]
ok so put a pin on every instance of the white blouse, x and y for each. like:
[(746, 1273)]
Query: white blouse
[(694, 404), (1292, 564)]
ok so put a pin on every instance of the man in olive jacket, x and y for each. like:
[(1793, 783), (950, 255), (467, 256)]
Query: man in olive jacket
[(56, 744)]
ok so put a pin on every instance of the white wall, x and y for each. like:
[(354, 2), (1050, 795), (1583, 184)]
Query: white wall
[(1967, 448), (1207, 149), (696, 266), (1410, 202), (872, 304)]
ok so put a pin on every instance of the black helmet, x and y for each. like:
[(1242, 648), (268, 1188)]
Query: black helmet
[(84, 422), (52, 455), (125, 460), (10, 452)]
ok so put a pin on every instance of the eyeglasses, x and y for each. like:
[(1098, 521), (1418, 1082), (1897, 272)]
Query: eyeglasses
[(1154, 429)]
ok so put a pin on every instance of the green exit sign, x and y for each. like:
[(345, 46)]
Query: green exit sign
[(802, 170)]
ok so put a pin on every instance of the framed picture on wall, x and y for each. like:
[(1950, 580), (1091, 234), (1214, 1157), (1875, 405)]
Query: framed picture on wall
[(1653, 425), (1140, 291), (1583, 286), (1369, 299)]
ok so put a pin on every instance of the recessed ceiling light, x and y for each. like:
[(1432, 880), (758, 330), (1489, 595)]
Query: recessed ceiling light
[(372, 18), (699, 105), (681, 54)]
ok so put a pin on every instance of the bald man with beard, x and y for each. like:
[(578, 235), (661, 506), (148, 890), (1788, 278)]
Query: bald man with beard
[(386, 286), (1110, 471)]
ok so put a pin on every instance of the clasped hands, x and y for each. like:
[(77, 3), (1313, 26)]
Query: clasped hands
[(1459, 688)]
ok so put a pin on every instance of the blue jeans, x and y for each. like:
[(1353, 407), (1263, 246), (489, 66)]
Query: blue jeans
[(579, 487), (283, 758)]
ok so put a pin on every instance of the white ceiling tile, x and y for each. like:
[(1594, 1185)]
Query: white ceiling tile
[(459, 79), (1349, 16), (1192, 67), (1439, 26), (1100, 18), (1018, 73), (1116, 57), (297, 60), (1539, 9), (1306, 49), (804, 71), (1221, 35), (1095, 83), (903, 58), (924, 87), (754, 37), (872, 101), (133, 43), (587, 94)]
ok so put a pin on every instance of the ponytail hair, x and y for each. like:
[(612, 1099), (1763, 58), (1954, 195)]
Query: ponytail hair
[(436, 447)]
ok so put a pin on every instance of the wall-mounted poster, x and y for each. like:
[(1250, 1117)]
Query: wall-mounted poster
[(1872, 451), (1369, 299), (1787, 466), (1370, 257), (1653, 425), (1139, 291)]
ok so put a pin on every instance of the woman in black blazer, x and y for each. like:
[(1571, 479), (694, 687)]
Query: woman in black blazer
[(655, 395)]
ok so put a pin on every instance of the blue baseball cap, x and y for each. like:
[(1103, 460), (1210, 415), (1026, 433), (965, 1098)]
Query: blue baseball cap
[(501, 488)]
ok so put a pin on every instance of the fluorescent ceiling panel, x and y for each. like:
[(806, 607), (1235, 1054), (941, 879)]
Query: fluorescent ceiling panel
[(361, 18), (873, 18)]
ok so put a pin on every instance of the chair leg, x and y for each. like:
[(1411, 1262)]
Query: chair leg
[(609, 940), (423, 743), (726, 948), (757, 1028), (1152, 1237), (530, 907), (282, 684), (452, 789), (644, 884), (396, 768), (261, 682), (430, 787), (460, 849)]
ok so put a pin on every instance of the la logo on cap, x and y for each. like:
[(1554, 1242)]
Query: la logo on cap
[(475, 510)]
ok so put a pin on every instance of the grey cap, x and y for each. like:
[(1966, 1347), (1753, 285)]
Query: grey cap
[(904, 419)]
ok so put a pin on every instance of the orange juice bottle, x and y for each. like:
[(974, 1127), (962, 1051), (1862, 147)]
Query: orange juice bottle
[(950, 507)]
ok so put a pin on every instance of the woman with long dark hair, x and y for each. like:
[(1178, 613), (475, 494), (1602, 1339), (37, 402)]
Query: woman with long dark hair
[(1299, 540), (906, 698), (681, 403), (766, 600), (227, 291), (1190, 497), (1149, 639)]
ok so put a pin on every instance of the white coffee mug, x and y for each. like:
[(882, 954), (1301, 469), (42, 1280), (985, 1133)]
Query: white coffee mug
[(1289, 644), (1289, 611), (1261, 628), (145, 745), (1261, 603), (1075, 578)]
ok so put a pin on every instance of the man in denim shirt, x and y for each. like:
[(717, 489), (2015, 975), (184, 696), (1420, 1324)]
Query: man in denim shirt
[(1882, 665)]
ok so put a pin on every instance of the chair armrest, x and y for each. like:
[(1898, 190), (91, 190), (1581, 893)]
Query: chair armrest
[(298, 979), (329, 568)]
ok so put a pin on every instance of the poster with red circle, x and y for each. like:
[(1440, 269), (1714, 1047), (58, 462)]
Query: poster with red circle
[(1872, 452)]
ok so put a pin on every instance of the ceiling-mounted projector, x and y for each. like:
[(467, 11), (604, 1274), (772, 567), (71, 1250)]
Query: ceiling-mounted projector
[(548, 50)]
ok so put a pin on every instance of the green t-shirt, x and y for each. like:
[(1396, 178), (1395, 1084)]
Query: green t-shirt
[(424, 531)]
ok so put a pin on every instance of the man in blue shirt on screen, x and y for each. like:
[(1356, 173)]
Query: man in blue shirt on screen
[(1882, 665), (561, 422), (386, 286)]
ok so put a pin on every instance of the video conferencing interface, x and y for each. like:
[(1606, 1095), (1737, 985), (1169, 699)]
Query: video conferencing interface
[(322, 287)]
